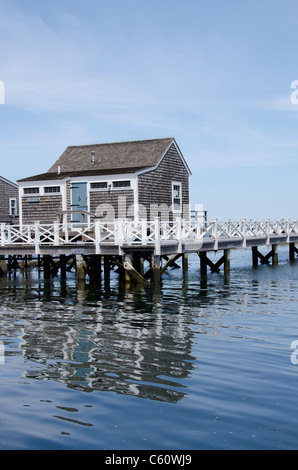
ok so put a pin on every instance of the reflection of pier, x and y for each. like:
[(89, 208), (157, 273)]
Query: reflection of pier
[(137, 249), (137, 352)]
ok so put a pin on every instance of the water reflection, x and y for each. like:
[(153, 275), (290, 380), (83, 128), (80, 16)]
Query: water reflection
[(135, 342), (121, 341)]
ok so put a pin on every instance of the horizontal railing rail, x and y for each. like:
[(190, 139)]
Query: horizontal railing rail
[(126, 232)]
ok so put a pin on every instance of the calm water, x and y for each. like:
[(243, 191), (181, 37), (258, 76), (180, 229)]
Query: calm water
[(197, 364)]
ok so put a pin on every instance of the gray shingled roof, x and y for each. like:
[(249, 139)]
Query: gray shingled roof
[(113, 158)]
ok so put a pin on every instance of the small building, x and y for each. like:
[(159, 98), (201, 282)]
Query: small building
[(140, 179), (9, 201)]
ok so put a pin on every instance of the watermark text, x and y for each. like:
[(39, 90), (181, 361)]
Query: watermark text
[(294, 355), (294, 94), (2, 92), (2, 353)]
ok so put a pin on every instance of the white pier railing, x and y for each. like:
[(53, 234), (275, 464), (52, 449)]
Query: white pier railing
[(125, 233)]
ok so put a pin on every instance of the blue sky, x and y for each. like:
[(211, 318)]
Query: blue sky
[(215, 75)]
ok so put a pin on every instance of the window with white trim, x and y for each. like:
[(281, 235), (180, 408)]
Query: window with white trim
[(31, 190), (12, 206), (99, 185), (177, 197), (121, 184), (51, 189)]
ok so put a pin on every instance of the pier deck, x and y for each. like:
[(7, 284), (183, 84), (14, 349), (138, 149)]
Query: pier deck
[(124, 239)]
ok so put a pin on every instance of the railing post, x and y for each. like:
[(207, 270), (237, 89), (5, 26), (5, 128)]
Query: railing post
[(179, 234), (288, 231), (2, 234), (144, 232), (215, 234), (8, 234), (37, 238), (128, 231), (157, 235), (56, 233), (120, 232), (244, 233), (268, 231), (97, 236)]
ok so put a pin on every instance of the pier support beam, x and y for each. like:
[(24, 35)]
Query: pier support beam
[(170, 262), (256, 256), (205, 261), (131, 274), (292, 251)]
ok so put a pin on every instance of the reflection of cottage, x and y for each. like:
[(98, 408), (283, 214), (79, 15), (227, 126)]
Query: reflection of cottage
[(9, 197), (129, 179)]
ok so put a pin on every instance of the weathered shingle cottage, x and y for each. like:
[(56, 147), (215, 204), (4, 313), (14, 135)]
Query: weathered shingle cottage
[(9, 201), (117, 180)]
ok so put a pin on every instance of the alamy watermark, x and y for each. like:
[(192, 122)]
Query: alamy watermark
[(2, 353), (294, 355), (2, 92), (121, 209), (294, 94)]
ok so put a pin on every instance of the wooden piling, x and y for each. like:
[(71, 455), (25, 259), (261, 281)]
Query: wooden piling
[(155, 269), (255, 257), (203, 263), (274, 255), (94, 267), (107, 269), (127, 262), (227, 261), (47, 266), (185, 263), (63, 266), (81, 267), (292, 251), (3, 267)]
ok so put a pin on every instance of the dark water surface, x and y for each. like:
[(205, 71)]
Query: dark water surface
[(197, 364)]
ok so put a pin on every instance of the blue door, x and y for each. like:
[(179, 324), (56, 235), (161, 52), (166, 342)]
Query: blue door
[(79, 202)]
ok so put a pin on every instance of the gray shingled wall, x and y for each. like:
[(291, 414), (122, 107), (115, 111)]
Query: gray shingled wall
[(119, 200), (7, 191), (45, 211), (156, 185)]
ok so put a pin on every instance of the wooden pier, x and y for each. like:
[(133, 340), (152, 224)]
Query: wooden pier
[(143, 250)]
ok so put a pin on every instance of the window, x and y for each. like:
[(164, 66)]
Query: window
[(31, 190), (12, 206), (121, 184), (100, 185), (52, 189), (176, 197)]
